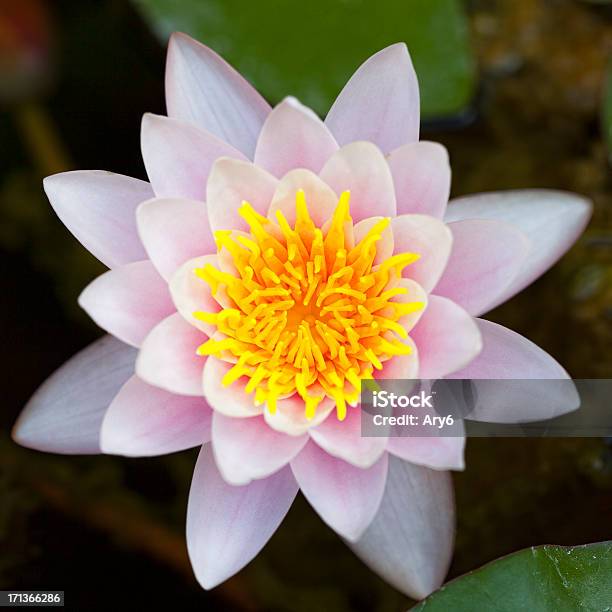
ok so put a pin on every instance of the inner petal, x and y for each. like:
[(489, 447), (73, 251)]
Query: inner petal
[(309, 313)]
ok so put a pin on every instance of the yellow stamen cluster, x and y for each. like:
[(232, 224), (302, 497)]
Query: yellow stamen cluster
[(309, 311)]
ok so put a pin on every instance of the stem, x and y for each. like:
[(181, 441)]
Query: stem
[(41, 138)]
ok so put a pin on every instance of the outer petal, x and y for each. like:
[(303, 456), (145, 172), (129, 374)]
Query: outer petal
[(380, 102), (233, 400), (191, 294), (202, 88), (436, 452), (422, 178), (447, 338), (320, 198), (361, 168), (293, 137), (426, 443), (168, 359), (507, 355), (227, 525), (65, 414), (429, 238), (486, 257), (143, 421), (173, 231), (248, 448), (178, 156), (99, 209), (230, 183), (343, 439), (344, 496), (552, 220), (410, 541), (128, 301)]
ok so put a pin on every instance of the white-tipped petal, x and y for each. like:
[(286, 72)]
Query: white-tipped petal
[(410, 541), (202, 88), (65, 414), (99, 209), (145, 421), (228, 525), (345, 497), (380, 102), (551, 220)]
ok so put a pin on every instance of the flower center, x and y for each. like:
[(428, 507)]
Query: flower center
[(308, 311)]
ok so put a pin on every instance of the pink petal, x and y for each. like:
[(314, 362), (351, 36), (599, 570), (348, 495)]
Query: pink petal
[(293, 137), (384, 247), (410, 541), (361, 168), (168, 359), (174, 231), (144, 421), (422, 178), (425, 442), (128, 302), (436, 452), (192, 294), (320, 199), (290, 416), (226, 525), (552, 221), (178, 156), (230, 183), (203, 89), (247, 448), (447, 338), (429, 238), (231, 400), (486, 257), (99, 209), (343, 440), (65, 414), (380, 102), (507, 355), (345, 497)]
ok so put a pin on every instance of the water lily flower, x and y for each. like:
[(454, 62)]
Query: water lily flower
[(272, 263)]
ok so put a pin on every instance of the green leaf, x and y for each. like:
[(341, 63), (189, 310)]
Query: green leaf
[(310, 49), (539, 579)]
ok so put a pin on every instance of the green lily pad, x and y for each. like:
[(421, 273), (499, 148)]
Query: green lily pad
[(539, 579), (310, 49)]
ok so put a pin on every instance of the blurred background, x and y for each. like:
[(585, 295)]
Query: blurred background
[(518, 90)]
